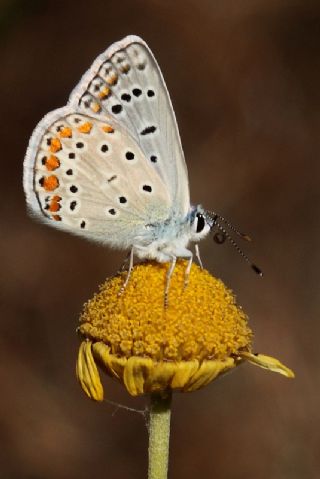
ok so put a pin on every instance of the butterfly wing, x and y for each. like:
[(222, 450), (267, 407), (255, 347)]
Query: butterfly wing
[(121, 105), (90, 177), (126, 82)]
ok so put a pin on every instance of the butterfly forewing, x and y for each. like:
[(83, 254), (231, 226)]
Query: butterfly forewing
[(91, 178), (126, 83), (109, 166)]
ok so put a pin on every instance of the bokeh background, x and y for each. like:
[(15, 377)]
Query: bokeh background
[(244, 79)]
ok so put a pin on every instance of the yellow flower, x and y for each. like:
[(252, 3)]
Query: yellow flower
[(199, 336)]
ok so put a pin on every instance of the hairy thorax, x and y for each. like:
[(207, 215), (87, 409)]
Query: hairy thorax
[(163, 250), (170, 239)]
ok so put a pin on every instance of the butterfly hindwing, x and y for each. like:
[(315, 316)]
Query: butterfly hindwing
[(126, 83), (90, 177)]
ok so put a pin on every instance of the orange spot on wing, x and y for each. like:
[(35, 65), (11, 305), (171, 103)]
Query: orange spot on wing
[(54, 204), (124, 68), (66, 132), (112, 79), (85, 127), (108, 129), (104, 93), (95, 107), (56, 217), (50, 183), (55, 145), (52, 163)]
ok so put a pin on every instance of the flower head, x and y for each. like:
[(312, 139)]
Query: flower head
[(200, 335)]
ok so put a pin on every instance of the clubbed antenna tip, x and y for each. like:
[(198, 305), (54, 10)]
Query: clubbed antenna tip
[(257, 270)]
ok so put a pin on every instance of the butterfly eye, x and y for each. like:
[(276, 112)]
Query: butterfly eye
[(200, 222)]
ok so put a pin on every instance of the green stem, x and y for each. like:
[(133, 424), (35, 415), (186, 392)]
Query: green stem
[(159, 435)]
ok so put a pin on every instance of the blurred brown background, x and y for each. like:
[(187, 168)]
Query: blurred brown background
[(244, 78)]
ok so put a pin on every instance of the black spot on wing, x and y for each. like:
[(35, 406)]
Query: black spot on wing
[(129, 155), (148, 130), (116, 109), (137, 92), (104, 148), (126, 97)]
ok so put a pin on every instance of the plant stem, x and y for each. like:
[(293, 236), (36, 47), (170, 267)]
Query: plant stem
[(159, 435)]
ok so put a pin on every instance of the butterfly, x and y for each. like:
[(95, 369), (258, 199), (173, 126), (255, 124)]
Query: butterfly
[(110, 167)]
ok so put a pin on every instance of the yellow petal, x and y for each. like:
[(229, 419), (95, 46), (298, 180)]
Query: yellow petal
[(114, 364), (207, 371), (87, 372), (80, 365), (135, 373), (160, 377), (267, 362), (184, 371)]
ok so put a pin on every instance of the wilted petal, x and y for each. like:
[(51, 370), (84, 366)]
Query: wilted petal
[(267, 362), (135, 373), (184, 371), (87, 372), (207, 371), (160, 377), (113, 364)]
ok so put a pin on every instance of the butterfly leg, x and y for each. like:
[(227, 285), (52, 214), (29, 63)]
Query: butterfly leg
[(168, 279), (197, 251), (187, 270), (125, 284), (123, 266)]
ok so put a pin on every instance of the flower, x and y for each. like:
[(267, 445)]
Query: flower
[(202, 333)]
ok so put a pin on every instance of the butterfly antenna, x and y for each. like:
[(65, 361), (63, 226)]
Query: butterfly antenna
[(239, 250), (215, 216)]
